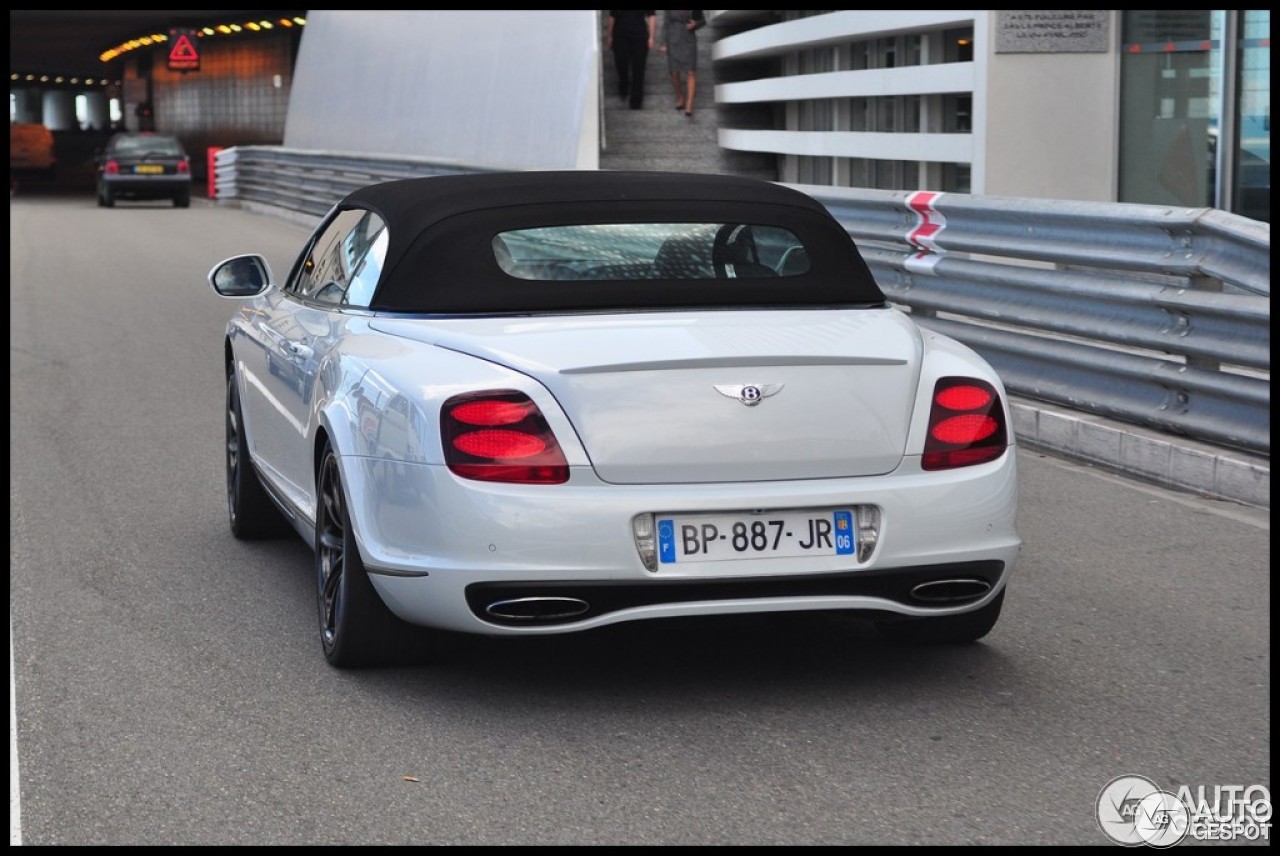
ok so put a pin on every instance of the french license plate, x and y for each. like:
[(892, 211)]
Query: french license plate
[(149, 169), (719, 537)]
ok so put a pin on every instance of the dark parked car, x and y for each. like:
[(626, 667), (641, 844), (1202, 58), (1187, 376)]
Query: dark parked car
[(144, 165)]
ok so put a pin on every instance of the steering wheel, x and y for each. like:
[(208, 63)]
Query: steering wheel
[(734, 247), (735, 253)]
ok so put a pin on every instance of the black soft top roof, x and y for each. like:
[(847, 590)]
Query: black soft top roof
[(440, 258)]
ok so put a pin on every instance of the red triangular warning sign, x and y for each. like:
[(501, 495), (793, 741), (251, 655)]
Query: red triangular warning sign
[(183, 49), (183, 55)]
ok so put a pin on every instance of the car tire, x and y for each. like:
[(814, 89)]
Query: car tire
[(944, 630), (250, 510), (182, 200), (105, 199), (356, 628)]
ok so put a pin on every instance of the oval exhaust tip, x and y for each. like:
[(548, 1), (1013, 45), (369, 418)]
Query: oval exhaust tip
[(538, 608), (950, 591)]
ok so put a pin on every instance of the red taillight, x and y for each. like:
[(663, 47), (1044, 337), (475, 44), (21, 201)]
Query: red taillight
[(965, 430), (111, 168), (500, 436), (499, 445), (183, 166), (492, 411), (963, 397), (966, 425)]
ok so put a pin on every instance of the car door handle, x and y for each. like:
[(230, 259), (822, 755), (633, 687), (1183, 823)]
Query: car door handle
[(298, 349)]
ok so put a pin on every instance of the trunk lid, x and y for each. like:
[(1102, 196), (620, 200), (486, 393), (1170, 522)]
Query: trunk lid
[(701, 397)]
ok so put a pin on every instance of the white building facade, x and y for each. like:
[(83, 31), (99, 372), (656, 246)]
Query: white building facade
[(1094, 105)]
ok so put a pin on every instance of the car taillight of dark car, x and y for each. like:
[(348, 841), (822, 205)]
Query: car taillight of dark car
[(966, 425)]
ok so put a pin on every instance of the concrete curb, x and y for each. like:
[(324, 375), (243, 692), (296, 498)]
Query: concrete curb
[(1169, 461)]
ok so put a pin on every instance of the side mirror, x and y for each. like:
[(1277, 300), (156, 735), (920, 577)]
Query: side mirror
[(241, 276)]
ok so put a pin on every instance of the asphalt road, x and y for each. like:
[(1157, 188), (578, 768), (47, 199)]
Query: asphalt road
[(170, 688)]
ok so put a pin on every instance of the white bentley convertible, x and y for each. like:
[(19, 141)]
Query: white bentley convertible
[(543, 402)]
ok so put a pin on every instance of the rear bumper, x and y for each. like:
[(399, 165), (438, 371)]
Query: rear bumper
[(156, 186), (505, 560), (901, 590)]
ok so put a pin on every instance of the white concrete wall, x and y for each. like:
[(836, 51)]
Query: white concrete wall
[(493, 89), (1050, 125)]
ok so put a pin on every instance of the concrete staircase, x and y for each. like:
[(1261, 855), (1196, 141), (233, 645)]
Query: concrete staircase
[(659, 137)]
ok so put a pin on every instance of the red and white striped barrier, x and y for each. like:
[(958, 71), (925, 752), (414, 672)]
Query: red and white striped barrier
[(924, 235)]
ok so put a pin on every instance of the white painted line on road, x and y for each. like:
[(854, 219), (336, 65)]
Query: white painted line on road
[(15, 803)]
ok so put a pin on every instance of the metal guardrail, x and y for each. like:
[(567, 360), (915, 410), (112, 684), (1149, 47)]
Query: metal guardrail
[(1151, 315), (1147, 314), (310, 182)]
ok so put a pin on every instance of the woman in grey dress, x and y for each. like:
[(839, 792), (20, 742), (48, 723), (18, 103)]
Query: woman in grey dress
[(678, 39)]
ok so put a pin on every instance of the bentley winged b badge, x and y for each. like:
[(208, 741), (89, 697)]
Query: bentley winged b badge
[(749, 394)]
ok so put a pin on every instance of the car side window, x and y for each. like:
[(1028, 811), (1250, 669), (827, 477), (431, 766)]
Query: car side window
[(367, 272), (343, 263)]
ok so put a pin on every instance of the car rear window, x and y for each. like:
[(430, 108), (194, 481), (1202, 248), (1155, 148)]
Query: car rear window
[(632, 251), (148, 144)]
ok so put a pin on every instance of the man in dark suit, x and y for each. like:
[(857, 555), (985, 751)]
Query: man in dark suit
[(630, 36)]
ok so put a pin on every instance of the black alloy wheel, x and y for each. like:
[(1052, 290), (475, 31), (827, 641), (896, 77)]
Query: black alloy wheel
[(356, 628)]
